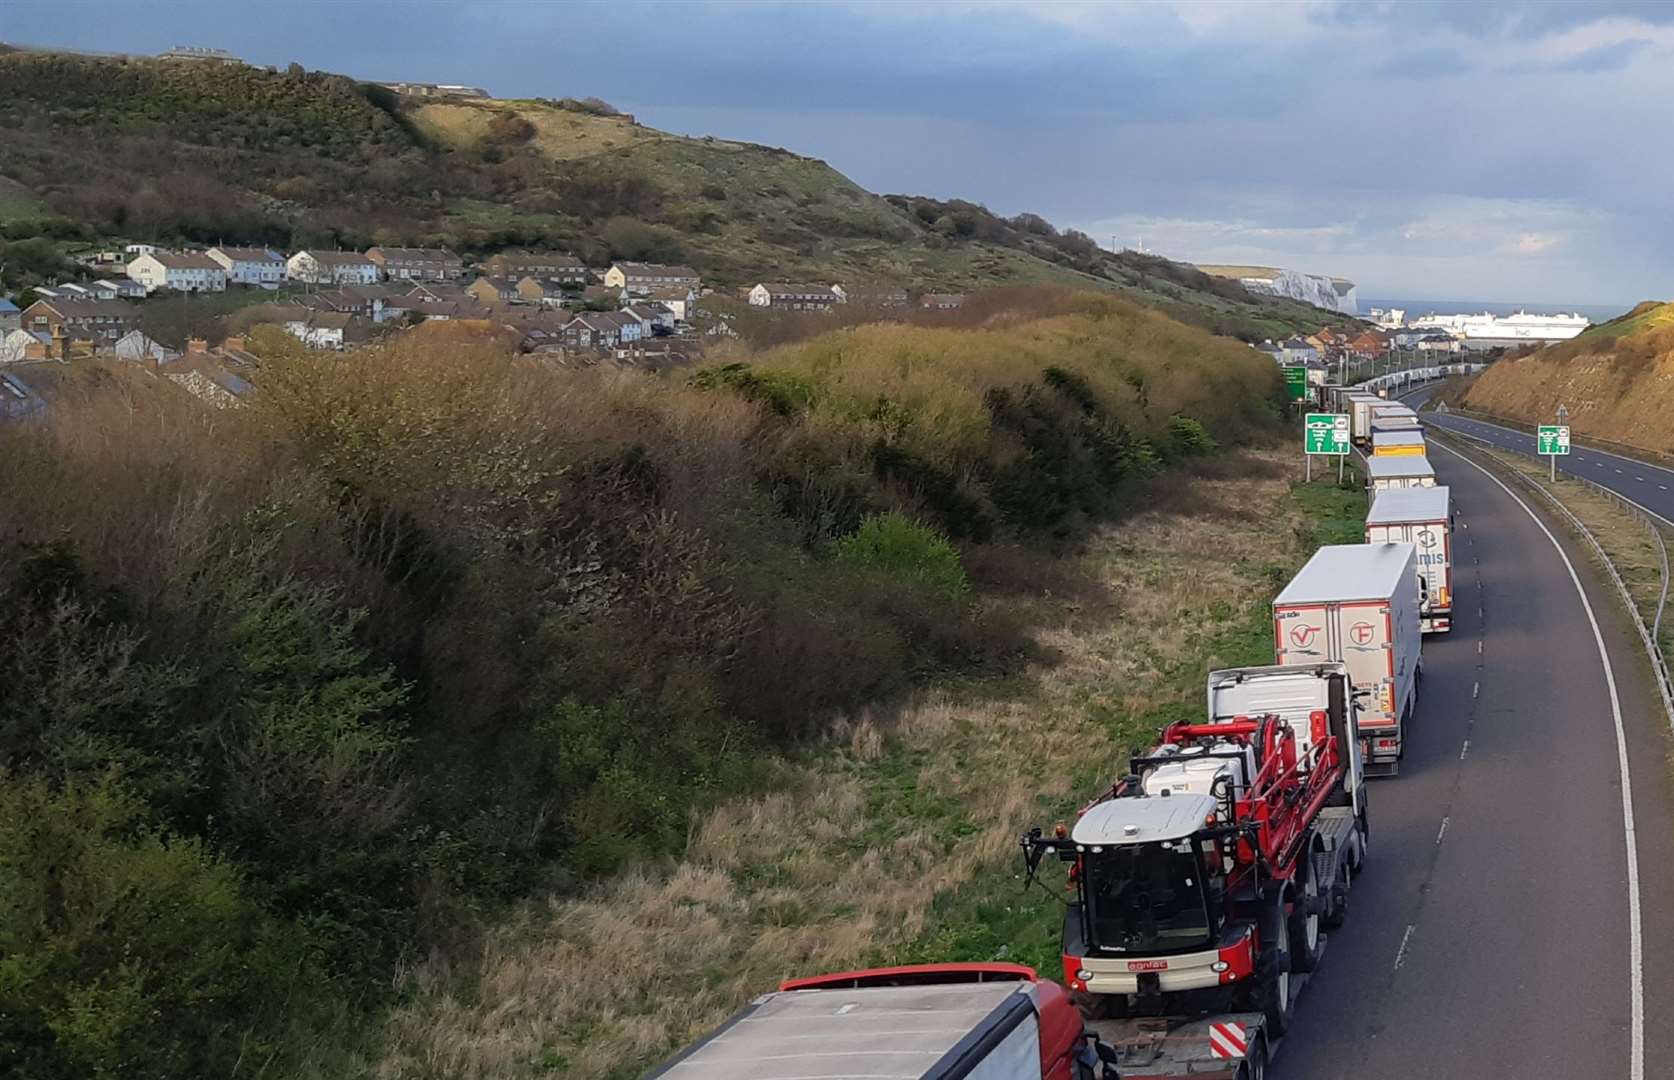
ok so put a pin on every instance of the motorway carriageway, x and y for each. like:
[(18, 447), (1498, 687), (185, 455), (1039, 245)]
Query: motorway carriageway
[(1492, 932), (1651, 486)]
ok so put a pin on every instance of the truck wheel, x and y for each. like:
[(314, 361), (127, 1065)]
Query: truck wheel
[(1362, 837), (1303, 930), (1275, 987), (1255, 1066)]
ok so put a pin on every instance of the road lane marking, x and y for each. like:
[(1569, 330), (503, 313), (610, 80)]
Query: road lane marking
[(1636, 948), (1476, 688), (1465, 749), (1401, 955), (1442, 831), (1479, 647), (1641, 479)]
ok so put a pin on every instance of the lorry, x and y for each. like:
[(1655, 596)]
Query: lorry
[(1397, 443), (1358, 605), (1394, 417), (980, 1021), (1360, 406), (1422, 517), (1384, 473), (1205, 879)]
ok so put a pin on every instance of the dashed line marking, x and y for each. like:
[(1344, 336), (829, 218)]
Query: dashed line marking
[(1618, 472), (1443, 831), (1476, 688), (1465, 749), (1401, 955), (1479, 648), (1641, 479)]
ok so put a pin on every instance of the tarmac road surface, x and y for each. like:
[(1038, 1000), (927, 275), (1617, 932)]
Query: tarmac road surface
[(1490, 934)]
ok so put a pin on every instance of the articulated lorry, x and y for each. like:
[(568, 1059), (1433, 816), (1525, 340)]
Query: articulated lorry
[(1360, 405), (1206, 877), (1385, 473), (1358, 605), (978, 1021), (1422, 517), (1397, 443)]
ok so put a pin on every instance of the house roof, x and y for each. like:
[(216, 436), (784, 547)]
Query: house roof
[(68, 308), (648, 310), (671, 292), (654, 270), (337, 258), (7, 307), (186, 260), (406, 254), (782, 288), (942, 298), (555, 258), (597, 321), (244, 254), (498, 284)]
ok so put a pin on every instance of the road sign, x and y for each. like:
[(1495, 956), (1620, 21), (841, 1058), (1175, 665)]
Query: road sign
[(1553, 438), (1296, 383), (1228, 1040), (1325, 433)]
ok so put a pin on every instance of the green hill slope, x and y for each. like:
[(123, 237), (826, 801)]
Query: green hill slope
[(178, 152)]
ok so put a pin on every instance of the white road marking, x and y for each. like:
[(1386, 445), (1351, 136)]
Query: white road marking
[(1636, 948), (1401, 954), (1641, 479), (1476, 688), (1465, 749), (1443, 831), (1479, 647)]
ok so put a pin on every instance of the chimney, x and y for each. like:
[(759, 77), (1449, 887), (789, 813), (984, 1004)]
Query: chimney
[(196, 346)]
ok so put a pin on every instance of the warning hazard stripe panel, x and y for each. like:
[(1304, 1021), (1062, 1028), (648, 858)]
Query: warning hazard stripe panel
[(1228, 1040)]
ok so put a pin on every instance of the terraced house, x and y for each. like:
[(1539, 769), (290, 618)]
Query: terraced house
[(778, 294), (184, 271), (558, 266), (417, 264), (331, 268), (262, 268), (102, 321), (642, 278)]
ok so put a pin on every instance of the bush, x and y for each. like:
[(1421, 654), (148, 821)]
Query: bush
[(1188, 438), (125, 951), (901, 546)]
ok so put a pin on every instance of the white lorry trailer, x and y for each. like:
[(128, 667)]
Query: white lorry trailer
[(1422, 517), (1360, 406), (1408, 443), (1206, 878), (1384, 473), (1357, 604)]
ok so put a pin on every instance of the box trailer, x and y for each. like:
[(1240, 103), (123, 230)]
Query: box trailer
[(1394, 417), (1422, 517), (1397, 443), (1360, 406), (1383, 473), (989, 1021), (1358, 605)]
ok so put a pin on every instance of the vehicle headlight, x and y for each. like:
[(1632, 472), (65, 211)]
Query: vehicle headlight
[(1084, 975), (1218, 966)]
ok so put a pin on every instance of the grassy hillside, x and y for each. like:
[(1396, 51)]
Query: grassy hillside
[(296, 694), (154, 151), (1615, 379)]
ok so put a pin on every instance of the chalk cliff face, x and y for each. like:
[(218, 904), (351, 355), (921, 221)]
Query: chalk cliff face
[(1333, 293)]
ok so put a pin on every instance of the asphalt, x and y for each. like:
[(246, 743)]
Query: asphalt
[(1652, 486), (1488, 935)]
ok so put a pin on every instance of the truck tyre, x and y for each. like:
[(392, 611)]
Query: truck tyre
[(1304, 919), (1362, 837), (1255, 1066), (1275, 986)]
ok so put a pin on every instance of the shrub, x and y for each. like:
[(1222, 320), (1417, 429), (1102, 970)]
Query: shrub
[(901, 546), (1188, 438), (125, 951)]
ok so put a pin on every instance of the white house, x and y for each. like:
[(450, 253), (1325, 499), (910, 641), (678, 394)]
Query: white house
[(140, 249), (679, 299), (116, 289), (321, 330), (1297, 352), (331, 268), (651, 314), (186, 271), (134, 345), (778, 294), (258, 267)]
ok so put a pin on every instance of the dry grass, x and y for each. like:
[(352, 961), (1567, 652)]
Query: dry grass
[(841, 866), (560, 134)]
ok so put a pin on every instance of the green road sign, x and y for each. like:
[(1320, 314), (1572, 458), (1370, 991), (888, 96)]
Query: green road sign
[(1553, 438), (1325, 433), (1296, 381)]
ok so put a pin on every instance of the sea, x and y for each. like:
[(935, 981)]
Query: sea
[(1596, 313)]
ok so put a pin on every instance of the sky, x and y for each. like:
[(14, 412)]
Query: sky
[(1459, 151)]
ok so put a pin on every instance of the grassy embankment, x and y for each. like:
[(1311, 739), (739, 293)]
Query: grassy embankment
[(1615, 380), (895, 841), (297, 694)]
